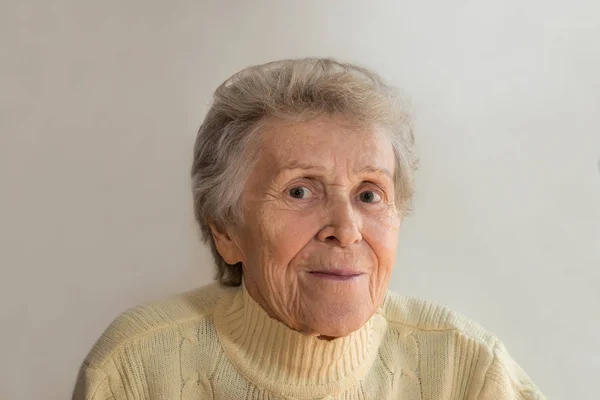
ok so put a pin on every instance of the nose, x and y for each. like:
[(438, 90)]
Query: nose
[(343, 224)]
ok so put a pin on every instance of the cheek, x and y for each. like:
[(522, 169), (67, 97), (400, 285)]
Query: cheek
[(282, 238), (381, 232)]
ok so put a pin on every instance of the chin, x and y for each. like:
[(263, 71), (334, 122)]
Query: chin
[(335, 322)]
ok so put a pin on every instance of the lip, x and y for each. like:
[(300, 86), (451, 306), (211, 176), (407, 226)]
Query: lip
[(338, 275)]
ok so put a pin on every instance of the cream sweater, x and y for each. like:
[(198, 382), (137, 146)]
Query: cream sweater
[(218, 343)]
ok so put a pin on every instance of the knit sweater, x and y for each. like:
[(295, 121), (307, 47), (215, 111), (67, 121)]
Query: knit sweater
[(218, 343)]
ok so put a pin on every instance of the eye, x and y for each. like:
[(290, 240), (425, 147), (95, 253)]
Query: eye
[(369, 196), (300, 192)]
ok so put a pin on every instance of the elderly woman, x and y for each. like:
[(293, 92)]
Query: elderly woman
[(302, 174)]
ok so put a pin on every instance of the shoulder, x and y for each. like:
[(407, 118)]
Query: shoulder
[(479, 358), (427, 316), (158, 318)]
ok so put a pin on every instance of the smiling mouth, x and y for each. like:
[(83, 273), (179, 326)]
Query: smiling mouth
[(336, 276)]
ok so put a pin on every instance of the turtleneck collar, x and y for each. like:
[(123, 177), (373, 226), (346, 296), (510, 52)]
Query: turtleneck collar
[(286, 362)]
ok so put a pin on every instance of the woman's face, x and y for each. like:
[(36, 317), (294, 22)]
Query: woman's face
[(320, 228)]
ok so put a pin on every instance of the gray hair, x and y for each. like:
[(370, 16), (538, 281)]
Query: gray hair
[(226, 147)]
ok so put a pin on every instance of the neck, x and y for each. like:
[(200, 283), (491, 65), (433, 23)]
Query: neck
[(252, 290), (268, 352)]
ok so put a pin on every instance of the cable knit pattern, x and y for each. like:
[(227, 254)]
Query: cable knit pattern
[(218, 343)]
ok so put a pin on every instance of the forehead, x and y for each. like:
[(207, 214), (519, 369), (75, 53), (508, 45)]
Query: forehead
[(328, 142)]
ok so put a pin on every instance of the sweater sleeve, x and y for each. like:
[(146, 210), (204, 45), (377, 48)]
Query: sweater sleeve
[(92, 384), (506, 380)]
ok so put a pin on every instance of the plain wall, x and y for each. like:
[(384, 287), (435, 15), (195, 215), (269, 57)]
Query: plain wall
[(100, 103)]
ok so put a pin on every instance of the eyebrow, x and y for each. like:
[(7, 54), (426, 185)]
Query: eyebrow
[(368, 169), (301, 165), (375, 170)]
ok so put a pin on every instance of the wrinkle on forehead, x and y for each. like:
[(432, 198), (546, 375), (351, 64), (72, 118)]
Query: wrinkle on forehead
[(326, 145)]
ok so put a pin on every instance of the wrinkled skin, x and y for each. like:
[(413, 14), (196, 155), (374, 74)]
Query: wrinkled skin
[(319, 200)]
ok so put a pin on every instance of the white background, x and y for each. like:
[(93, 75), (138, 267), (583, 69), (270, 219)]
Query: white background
[(100, 102)]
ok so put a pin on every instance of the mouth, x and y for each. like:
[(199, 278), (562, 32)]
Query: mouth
[(340, 275)]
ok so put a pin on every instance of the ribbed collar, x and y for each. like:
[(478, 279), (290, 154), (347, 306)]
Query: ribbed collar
[(286, 362)]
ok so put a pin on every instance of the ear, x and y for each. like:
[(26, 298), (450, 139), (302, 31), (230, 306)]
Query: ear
[(226, 246)]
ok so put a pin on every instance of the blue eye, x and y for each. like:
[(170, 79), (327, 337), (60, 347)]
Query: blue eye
[(300, 192), (368, 196)]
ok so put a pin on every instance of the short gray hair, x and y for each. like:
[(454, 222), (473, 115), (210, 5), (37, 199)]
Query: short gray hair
[(300, 90)]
